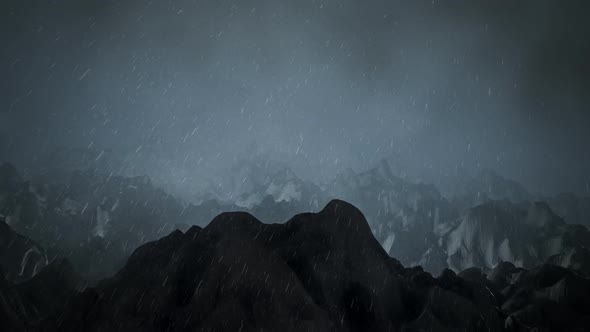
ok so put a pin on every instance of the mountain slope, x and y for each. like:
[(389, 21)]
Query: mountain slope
[(25, 305), (307, 274), (317, 272)]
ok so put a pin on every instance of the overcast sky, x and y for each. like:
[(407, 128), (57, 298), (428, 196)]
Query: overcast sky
[(320, 85)]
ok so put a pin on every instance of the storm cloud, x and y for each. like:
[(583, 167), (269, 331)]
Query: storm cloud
[(320, 85)]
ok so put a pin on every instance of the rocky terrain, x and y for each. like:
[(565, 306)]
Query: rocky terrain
[(317, 272), (497, 232), (94, 220)]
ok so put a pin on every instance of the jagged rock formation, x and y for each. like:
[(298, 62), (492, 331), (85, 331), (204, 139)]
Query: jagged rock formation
[(499, 231), (94, 220), (24, 306), (545, 298), (418, 226), (317, 272)]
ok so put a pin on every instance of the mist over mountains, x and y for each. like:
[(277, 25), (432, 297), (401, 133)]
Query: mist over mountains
[(85, 241), (114, 252), (297, 165), (322, 86), (77, 211)]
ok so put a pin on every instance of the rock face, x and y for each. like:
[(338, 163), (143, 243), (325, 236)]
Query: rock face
[(24, 306), (498, 232), (317, 272), (548, 297)]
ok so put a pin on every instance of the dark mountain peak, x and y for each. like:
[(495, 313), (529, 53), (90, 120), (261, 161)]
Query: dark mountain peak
[(318, 265), (338, 207), (232, 221), (193, 231), (177, 233), (320, 271), (337, 217)]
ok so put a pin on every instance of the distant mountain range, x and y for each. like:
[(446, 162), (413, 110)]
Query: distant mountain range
[(96, 220)]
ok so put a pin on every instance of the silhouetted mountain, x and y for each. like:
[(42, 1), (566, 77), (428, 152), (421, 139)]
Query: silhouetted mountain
[(26, 305), (317, 272), (321, 271), (545, 298)]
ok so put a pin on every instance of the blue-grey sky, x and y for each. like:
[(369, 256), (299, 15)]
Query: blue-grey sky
[(320, 85)]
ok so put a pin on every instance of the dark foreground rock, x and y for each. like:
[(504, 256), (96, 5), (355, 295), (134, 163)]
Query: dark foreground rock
[(24, 306), (20, 257), (318, 272)]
